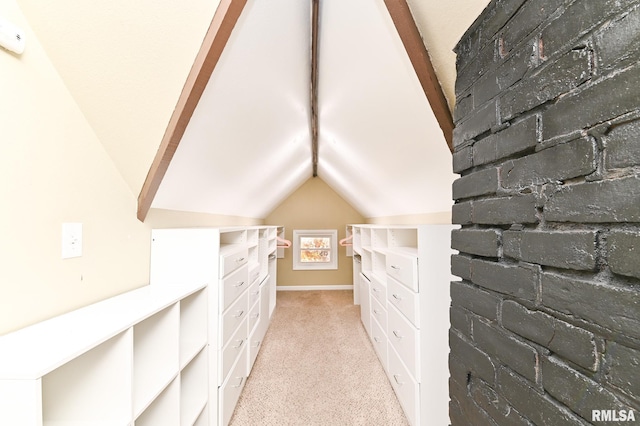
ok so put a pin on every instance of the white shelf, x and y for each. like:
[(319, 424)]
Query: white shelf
[(203, 418), (280, 250), (92, 387), (165, 409), (155, 355), (88, 367), (357, 239), (224, 257), (194, 388), (252, 236), (193, 325), (403, 237), (233, 236), (32, 352), (378, 263), (379, 238), (426, 248)]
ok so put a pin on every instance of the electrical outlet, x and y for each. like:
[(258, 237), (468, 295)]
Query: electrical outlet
[(71, 240)]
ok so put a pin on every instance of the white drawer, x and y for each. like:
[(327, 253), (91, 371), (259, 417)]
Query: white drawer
[(405, 300), (232, 258), (254, 293), (255, 342), (230, 353), (232, 286), (379, 289), (379, 341), (379, 313), (254, 316), (403, 268), (405, 339), (232, 388), (232, 318), (407, 390), (254, 273), (365, 303)]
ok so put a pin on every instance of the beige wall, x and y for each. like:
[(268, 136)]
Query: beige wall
[(314, 206), (54, 169), (414, 219), (161, 218), (125, 63)]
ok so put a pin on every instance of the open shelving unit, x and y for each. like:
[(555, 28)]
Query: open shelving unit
[(151, 356), (234, 263), (115, 362), (403, 287)]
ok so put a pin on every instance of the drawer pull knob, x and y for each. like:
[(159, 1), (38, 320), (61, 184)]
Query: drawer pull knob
[(240, 259), (398, 298), (374, 289), (398, 335), (395, 377), (375, 311), (397, 268), (239, 314), (239, 344), (256, 315), (255, 293), (239, 284), (239, 383), (377, 339), (257, 344)]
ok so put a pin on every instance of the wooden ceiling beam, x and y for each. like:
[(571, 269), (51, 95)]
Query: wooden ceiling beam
[(222, 24), (419, 56), (315, 26)]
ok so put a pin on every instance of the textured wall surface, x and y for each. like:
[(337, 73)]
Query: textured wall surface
[(545, 321)]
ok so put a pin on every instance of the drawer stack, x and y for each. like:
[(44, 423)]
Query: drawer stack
[(378, 332), (404, 298), (236, 264), (233, 334), (404, 332)]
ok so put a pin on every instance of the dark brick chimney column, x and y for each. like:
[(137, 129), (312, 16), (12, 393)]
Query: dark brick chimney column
[(545, 321)]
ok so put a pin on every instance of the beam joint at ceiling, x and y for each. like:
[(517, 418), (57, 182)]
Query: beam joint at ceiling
[(315, 20), (419, 56), (222, 24)]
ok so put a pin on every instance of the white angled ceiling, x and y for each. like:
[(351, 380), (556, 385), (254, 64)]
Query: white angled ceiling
[(248, 144), (380, 145)]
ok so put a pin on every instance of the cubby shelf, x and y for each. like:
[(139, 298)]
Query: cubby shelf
[(402, 277), (99, 364), (236, 264), (149, 356)]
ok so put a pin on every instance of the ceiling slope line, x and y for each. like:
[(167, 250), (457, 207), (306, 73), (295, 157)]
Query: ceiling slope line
[(419, 56), (315, 18), (222, 24)]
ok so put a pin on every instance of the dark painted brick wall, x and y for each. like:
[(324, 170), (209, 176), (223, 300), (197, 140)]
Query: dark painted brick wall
[(545, 320)]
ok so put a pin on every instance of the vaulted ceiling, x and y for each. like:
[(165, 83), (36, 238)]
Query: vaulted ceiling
[(247, 145)]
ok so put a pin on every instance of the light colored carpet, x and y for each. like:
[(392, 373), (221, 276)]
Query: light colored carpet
[(317, 367)]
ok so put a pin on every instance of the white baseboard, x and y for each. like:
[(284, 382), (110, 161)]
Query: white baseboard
[(313, 287)]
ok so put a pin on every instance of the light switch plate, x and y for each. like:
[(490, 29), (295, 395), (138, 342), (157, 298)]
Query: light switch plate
[(71, 240)]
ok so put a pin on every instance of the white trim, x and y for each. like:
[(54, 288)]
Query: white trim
[(313, 287)]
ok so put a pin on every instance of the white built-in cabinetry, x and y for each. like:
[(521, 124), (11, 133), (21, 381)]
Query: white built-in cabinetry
[(240, 267), (403, 282), (139, 358), (175, 352)]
